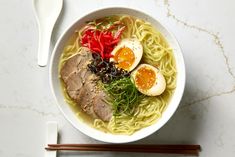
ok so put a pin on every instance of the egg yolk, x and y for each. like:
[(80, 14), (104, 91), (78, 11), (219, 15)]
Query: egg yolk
[(145, 78), (124, 57)]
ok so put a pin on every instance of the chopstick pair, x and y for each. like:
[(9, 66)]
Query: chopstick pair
[(165, 149)]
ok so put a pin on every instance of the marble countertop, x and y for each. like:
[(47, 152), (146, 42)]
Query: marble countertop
[(205, 31)]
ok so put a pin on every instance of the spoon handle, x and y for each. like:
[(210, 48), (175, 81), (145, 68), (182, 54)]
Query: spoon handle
[(44, 44)]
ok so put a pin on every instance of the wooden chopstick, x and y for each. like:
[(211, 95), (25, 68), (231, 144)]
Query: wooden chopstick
[(169, 149), (129, 146)]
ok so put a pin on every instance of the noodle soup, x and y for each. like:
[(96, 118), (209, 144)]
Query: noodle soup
[(118, 73)]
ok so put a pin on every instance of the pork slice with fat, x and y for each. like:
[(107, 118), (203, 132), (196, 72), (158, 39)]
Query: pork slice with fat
[(102, 109)]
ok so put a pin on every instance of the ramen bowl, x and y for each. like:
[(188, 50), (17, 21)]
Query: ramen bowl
[(87, 129)]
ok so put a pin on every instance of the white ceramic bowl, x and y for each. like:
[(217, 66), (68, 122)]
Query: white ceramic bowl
[(67, 111)]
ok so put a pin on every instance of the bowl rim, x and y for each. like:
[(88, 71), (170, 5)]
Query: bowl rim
[(183, 73)]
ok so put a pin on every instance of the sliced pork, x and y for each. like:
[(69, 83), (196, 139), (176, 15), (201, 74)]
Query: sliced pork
[(81, 86)]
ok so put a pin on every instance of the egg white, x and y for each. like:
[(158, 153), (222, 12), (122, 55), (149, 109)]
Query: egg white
[(159, 85), (136, 47)]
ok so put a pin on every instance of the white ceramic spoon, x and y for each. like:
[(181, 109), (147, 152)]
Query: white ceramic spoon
[(46, 12)]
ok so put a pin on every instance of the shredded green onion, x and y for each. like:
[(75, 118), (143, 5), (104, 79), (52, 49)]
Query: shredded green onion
[(124, 96)]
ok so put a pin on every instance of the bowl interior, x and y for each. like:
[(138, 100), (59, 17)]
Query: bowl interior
[(85, 128)]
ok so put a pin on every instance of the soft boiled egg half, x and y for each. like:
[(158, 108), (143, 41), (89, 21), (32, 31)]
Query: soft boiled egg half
[(149, 80), (127, 54)]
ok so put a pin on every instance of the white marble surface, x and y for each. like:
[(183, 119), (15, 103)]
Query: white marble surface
[(205, 30)]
